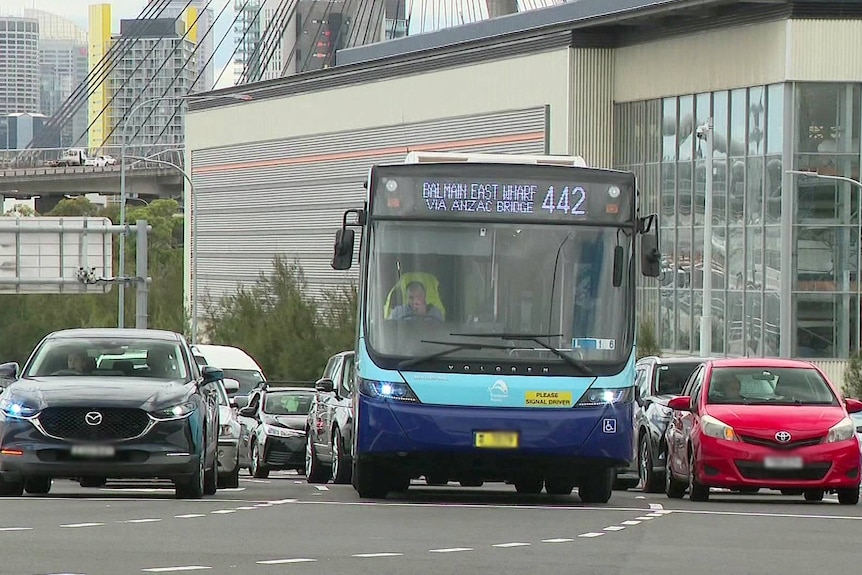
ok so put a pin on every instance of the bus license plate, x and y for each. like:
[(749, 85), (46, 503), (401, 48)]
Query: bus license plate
[(497, 439), (782, 462), (93, 450)]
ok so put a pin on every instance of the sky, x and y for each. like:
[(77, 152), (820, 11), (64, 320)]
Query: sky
[(77, 11)]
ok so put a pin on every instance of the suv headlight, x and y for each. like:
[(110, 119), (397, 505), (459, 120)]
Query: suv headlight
[(178, 411), (718, 429), (841, 431), (18, 409)]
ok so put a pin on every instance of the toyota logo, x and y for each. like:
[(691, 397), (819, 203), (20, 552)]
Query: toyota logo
[(782, 436), (93, 418)]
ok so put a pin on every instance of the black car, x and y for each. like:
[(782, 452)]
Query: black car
[(658, 380), (273, 429), (98, 404)]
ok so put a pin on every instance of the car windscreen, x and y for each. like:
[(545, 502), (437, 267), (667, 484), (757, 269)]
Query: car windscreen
[(116, 357), (671, 377), (287, 403), (769, 386)]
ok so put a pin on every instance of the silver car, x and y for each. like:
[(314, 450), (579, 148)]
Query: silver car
[(228, 436)]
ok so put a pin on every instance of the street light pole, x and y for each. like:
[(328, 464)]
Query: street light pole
[(123, 131), (858, 241), (705, 133)]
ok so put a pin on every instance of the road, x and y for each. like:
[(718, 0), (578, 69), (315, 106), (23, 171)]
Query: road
[(284, 525)]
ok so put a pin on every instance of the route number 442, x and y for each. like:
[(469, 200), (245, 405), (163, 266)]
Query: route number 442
[(570, 201)]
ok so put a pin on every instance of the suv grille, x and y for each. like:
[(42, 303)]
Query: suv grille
[(72, 423)]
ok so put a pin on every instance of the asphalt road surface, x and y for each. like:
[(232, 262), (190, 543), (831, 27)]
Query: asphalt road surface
[(284, 525)]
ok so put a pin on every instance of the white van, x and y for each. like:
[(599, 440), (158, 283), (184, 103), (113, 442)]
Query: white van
[(236, 364)]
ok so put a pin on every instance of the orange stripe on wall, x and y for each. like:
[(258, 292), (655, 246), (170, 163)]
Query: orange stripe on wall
[(532, 136)]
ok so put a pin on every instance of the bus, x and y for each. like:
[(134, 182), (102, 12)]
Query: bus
[(496, 322)]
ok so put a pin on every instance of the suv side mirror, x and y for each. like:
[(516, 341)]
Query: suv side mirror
[(324, 385), (231, 385), (239, 401), (211, 374), (9, 370), (248, 411)]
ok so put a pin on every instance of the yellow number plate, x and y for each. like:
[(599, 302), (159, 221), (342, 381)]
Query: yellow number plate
[(497, 439)]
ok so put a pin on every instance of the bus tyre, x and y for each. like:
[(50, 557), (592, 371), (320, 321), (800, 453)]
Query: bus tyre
[(596, 486), (369, 480)]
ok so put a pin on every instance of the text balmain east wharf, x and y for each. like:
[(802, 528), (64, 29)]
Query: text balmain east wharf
[(474, 197)]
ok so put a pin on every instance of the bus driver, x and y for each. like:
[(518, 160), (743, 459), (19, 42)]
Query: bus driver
[(416, 308)]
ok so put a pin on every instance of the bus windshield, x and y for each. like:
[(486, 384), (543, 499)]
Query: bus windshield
[(431, 282)]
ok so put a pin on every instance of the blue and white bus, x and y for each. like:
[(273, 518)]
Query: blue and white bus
[(496, 326)]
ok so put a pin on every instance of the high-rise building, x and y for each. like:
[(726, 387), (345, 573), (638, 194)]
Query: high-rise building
[(19, 65), (199, 21), (160, 64), (100, 43), (63, 68)]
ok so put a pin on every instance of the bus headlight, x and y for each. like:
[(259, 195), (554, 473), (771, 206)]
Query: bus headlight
[(387, 390), (596, 397)]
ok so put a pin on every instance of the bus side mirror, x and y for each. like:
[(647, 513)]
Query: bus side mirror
[(650, 256), (343, 257)]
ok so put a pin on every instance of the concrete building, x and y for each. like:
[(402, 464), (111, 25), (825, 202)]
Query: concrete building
[(159, 64), (623, 83), (199, 20), (19, 65), (98, 116), (63, 67)]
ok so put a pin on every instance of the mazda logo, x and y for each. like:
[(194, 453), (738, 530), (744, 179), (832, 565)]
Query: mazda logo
[(782, 436), (93, 418)]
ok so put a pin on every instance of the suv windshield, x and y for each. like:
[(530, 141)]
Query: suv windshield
[(768, 385), (671, 377), (110, 357)]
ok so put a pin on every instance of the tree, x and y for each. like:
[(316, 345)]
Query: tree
[(647, 339), (78, 206), (21, 211), (853, 376), (278, 322)]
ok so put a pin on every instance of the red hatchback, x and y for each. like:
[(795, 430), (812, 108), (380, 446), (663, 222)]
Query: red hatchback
[(746, 424)]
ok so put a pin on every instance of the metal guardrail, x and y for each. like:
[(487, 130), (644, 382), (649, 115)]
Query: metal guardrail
[(14, 161)]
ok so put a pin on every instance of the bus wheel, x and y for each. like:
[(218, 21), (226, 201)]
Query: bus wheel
[(595, 486), (369, 480)]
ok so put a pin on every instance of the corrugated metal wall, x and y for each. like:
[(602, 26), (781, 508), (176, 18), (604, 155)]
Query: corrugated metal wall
[(592, 96), (287, 196)]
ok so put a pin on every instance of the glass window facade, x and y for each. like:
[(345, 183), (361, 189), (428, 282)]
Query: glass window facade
[(759, 133)]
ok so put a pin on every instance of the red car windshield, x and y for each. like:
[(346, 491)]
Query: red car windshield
[(769, 386)]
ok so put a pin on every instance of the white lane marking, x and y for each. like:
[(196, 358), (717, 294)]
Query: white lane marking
[(656, 506), (615, 528), (461, 505), (283, 561), (189, 515), (282, 501), (514, 544), (630, 522), (140, 521), (249, 480), (170, 569), (300, 482), (16, 528), (223, 511), (558, 540), (590, 534), (644, 518), (450, 550), (321, 487), (73, 525), (264, 505), (639, 497), (230, 489), (244, 508), (655, 514), (369, 555)]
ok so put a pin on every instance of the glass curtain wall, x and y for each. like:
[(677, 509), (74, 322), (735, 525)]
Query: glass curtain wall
[(657, 140)]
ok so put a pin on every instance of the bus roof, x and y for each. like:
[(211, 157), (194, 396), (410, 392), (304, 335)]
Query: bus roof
[(449, 157)]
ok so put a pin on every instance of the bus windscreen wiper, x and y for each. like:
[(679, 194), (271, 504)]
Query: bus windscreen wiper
[(535, 337), (455, 346)]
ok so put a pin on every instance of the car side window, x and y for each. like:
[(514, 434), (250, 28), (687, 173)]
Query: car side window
[(642, 382), (331, 365), (697, 386), (346, 385)]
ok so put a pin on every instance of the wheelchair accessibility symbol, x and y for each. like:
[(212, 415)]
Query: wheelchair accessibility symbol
[(609, 425)]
